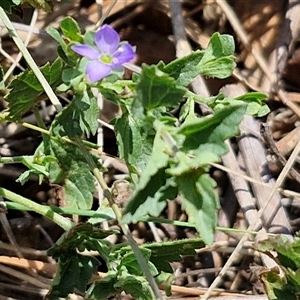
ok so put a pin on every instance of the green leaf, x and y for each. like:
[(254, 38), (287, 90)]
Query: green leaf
[(54, 33), (104, 288), (264, 110), (256, 106), (7, 5), (74, 269), (254, 101), (73, 272), (72, 172), (130, 262), (79, 117), (38, 164), (25, 89), (65, 279), (86, 235), (287, 256), (183, 164), (150, 198), (137, 286), (288, 253), (213, 130), (218, 60), (253, 97), (157, 89), (200, 201), (162, 254), (133, 144), (70, 29), (154, 187), (278, 288), (184, 69), (221, 67), (220, 45), (103, 214), (87, 267)]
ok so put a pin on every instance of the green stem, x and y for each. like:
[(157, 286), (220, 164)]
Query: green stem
[(125, 228), (39, 118), (56, 138), (14, 35), (12, 160), (45, 211), (107, 216)]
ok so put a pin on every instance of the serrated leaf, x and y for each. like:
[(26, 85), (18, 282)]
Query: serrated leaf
[(208, 133), (256, 106), (218, 60), (157, 89), (162, 254), (74, 269), (278, 288), (79, 117), (25, 89), (133, 145), (70, 29), (288, 252), (154, 187), (130, 262), (137, 286), (220, 45), (73, 272), (254, 101), (151, 198), (87, 267), (104, 288), (72, 172), (200, 201), (66, 276), (85, 234), (184, 69)]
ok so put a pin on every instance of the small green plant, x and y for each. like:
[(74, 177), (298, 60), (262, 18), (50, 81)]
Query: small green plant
[(168, 156), (282, 282)]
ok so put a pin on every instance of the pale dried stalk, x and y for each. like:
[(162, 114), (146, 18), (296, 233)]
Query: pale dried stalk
[(28, 37), (278, 183)]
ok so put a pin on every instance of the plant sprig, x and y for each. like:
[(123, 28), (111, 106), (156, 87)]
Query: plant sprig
[(168, 155)]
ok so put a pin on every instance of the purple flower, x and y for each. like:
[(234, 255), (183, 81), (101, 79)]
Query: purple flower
[(108, 55)]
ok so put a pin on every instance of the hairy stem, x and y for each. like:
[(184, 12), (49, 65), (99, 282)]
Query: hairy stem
[(136, 250), (45, 211)]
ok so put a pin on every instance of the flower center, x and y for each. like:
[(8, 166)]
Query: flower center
[(106, 58)]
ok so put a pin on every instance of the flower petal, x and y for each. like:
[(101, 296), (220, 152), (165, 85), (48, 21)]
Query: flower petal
[(107, 39), (87, 51), (124, 54), (97, 70)]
